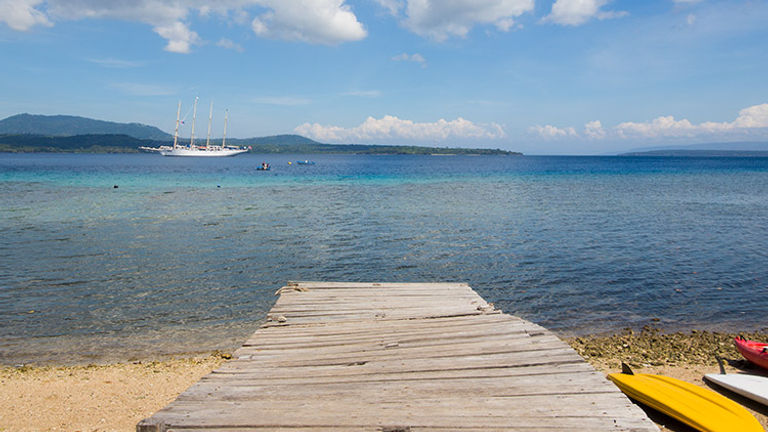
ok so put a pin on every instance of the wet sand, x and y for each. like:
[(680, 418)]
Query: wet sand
[(114, 397)]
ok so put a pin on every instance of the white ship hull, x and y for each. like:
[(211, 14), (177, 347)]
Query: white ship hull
[(155, 149), (202, 152)]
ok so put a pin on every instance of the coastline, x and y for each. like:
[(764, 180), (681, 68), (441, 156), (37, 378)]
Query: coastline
[(115, 396)]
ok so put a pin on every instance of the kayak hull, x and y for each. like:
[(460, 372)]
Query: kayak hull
[(753, 351), (750, 386), (695, 406)]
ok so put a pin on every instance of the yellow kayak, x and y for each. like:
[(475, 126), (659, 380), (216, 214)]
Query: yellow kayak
[(695, 406)]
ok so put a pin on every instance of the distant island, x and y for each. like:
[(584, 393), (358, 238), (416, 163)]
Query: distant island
[(700, 153), (711, 149), (27, 133)]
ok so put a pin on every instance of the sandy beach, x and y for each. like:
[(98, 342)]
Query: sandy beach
[(111, 397), (114, 397)]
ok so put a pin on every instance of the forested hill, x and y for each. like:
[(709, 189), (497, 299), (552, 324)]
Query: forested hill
[(64, 125), (100, 143)]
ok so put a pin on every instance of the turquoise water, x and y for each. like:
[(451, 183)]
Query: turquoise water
[(185, 255)]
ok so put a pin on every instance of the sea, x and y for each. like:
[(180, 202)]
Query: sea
[(109, 257)]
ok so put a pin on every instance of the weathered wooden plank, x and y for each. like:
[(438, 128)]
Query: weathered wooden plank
[(412, 333), (525, 411), (370, 388), (366, 327), (429, 371), (403, 345), (398, 357)]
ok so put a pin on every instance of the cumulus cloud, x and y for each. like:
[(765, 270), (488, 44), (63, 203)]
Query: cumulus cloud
[(180, 38), (313, 21), (21, 15), (754, 117), (549, 131), (578, 12), (416, 58), (441, 20), (390, 128), (594, 130), (752, 122)]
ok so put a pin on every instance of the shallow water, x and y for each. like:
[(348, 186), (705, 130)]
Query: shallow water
[(186, 254)]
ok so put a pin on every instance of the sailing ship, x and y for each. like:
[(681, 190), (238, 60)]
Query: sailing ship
[(209, 150)]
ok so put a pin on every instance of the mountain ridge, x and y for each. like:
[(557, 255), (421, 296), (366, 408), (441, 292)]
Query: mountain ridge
[(67, 125)]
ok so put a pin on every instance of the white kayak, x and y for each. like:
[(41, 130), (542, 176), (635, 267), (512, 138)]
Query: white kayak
[(750, 386)]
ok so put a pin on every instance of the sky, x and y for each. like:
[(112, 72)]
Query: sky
[(537, 76)]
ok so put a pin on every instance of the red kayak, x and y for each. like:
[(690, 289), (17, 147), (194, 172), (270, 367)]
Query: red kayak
[(756, 352)]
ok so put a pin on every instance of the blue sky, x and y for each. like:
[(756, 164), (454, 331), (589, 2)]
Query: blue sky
[(542, 77)]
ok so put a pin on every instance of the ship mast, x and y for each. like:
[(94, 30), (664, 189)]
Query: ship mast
[(210, 118), (176, 133), (192, 135), (224, 138)]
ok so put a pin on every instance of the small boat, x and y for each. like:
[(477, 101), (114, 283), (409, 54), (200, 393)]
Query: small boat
[(264, 167), (756, 352), (753, 387), (305, 162), (695, 406)]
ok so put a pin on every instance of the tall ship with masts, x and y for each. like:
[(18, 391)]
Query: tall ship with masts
[(209, 149)]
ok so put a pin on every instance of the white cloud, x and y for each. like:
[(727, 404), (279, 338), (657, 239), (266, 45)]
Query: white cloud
[(416, 58), (752, 122), (550, 132), (441, 20), (229, 44), (116, 63), (179, 37), (392, 6), (755, 116), (326, 22), (390, 128), (594, 130), (749, 119), (21, 15), (313, 21), (660, 126), (578, 12)]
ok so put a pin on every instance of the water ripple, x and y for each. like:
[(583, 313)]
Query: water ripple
[(171, 263)]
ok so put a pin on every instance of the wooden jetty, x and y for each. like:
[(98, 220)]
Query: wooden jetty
[(398, 357)]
